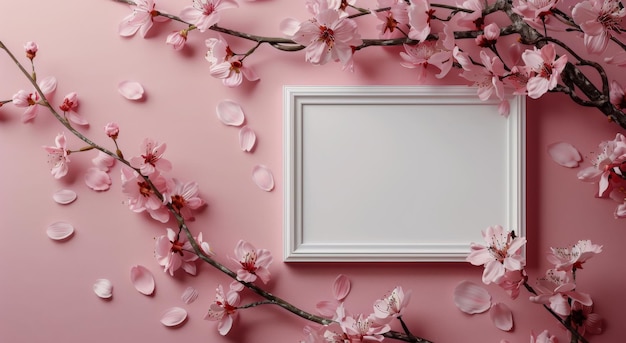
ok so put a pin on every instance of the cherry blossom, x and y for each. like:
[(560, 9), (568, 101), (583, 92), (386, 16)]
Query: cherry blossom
[(69, 105), (141, 197), (436, 53), (364, 328), (184, 198), (112, 130), (489, 37), (419, 19), (177, 39), (226, 65), (585, 321), (617, 95), (32, 101), (253, 262), (512, 281), (606, 168), (31, 49), (487, 78), (395, 20), (152, 158), (537, 13), (545, 67), (501, 254), (555, 289), (142, 18), (223, 309), (543, 337), (573, 257), (328, 37), (598, 19), (473, 20), (58, 156), (174, 251), (205, 13), (393, 304)]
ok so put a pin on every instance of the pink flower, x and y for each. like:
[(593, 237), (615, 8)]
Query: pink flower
[(545, 69), (597, 19), (395, 20), (585, 321), (225, 65), (364, 328), (152, 159), (426, 53), (32, 101), (536, 13), (173, 251), (512, 281), (617, 96), (31, 50), (205, 13), (556, 289), (184, 198), (206, 248), (419, 19), (606, 168), (544, 337), (328, 37), (69, 105), (501, 254), (253, 262), (489, 37), (177, 39), (574, 256), (141, 19), (58, 157), (488, 77), (141, 197), (473, 20), (112, 130), (223, 309), (393, 304)]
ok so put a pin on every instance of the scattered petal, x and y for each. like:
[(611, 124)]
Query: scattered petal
[(471, 298), (173, 316), (189, 295), (247, 138), (64, 196), (103, 288), (60, 230), (142, 279), (263, 177), (564, 154), (97, 179), (341, 287), (103, 161), (131, 90), (501, 316), (230, 113)]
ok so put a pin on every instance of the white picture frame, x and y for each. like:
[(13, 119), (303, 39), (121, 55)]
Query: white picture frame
[(398, 173)]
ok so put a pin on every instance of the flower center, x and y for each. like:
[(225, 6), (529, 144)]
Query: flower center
[(249, 262), (327, 35), (178, 202)]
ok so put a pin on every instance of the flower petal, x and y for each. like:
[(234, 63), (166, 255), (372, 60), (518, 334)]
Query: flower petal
[(501, 316), (131, 90), (142, 279), (103, 288), (263, 177), (564, 154), (230, 113), (471, 298), (173, 316), (97, 179), (189, 295), (60, 230), (247, 138), (64, 196), (341, 287)]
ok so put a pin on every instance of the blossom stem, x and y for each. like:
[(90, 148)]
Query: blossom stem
[(255, 304)]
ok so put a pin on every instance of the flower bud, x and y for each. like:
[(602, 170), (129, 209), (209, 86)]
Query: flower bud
[(112, 130), (31, 50)]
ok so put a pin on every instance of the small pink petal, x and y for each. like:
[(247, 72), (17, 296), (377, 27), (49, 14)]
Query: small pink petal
[(247, 138), (564, 154), (341, 287), (64, 196), (60, 230), (103, 161), (173, 316), (142, 279), (471, 298), (131, 90), (230, 113), (501, 316), (97, 179), (189, 295), (103, 288), (263, 177)]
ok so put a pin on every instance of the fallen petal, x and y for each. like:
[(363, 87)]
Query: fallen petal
[(247, 138), (189, 295), (60, 230), (230, 113), (131, 90), (64, 196), (263, 177), (173, 316), (564, 154), (103, 288), (341, 287), (97, 179), (142, 279), (501, 316), (471, 298)]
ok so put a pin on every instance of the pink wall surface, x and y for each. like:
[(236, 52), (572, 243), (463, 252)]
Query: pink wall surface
[(46, 286)]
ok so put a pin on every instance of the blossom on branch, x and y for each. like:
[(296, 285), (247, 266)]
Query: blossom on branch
[(226, 65), (32, 101), (585, 321), (437, 53), (501, 254), (253, 262), (362, 328), (152, 159), (184, 197), (142, 18), (420, 14), (31, 50), (545, 68), (573, 257), (599, 19), (395, 20), (69, 105), (606, 169), (555, 290), (393, 304), (142, 197), (58, 156), (174, 251), (223, 309), (205, 13)]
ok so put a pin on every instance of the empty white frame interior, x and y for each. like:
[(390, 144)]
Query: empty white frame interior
[(398, 173)]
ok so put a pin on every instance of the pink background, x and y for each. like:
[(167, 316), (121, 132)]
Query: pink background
[(45, 287)]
